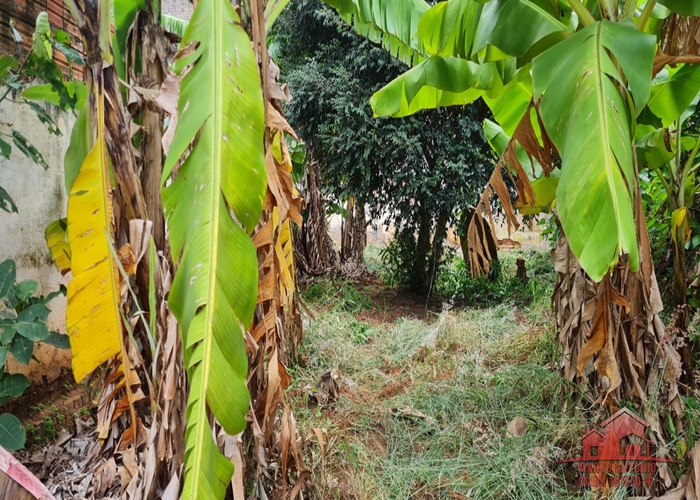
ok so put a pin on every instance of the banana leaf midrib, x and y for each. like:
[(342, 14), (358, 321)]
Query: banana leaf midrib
[(610, 163), (215, 199)]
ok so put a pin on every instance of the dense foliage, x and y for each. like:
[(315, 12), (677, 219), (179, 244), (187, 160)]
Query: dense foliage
[(417, 172)]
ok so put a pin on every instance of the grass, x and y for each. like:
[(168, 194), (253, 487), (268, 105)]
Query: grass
[(425, 404), (336, 294)]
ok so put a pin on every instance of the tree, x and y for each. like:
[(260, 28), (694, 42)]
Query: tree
[(418, 173), (568, 80)]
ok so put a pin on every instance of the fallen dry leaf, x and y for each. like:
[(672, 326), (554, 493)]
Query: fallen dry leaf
[(517, 427)]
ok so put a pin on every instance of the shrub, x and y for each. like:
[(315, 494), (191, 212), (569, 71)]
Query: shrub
[(398, 259), (454, 281), (23, 318)]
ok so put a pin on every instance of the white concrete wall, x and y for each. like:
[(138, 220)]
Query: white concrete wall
[(41, 198), (529, 236)]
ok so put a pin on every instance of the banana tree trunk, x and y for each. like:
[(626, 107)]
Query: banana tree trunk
[(152, 41), (314, 253), (680, 297), (679, 277), (354, 234), (129, 195), (615, 348)]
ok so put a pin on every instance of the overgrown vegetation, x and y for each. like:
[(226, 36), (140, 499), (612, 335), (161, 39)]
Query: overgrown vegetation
[(195, 334), (424, 404), (455, 282)]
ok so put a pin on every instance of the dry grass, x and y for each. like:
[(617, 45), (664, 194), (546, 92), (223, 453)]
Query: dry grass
[(424, 404)]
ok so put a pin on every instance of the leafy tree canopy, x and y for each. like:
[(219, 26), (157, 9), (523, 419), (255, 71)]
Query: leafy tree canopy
[(431, 163)]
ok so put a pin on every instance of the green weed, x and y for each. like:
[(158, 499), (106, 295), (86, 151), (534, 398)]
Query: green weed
[(454, 281), (35, 435), (37, 408), (360, 332), (49, 428)]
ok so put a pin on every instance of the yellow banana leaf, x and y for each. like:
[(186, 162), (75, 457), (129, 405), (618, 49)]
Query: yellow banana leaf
[(93, 293), (57, 241), (679, 218)]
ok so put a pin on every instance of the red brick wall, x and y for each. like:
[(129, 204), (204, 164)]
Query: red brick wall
[(23, 13)]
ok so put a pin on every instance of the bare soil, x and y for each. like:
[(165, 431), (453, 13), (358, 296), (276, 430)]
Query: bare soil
[(46, 408)]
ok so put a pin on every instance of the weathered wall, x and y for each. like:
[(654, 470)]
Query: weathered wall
[(40, 197)]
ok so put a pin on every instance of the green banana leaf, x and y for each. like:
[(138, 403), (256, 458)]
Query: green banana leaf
[(214, 291), (673, 91), (393, 23), (78, 148), (124, 14), (510, 105), (652, 147), (465, 28), (173, 24), (545, 189), (449, 28), (590, 122), (437, 81), (682, 7), (273, 9), (514, 26)]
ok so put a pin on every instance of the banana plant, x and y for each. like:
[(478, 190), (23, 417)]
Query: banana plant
[(213, 186), (602, 71), (588, 72), (664, 148)]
